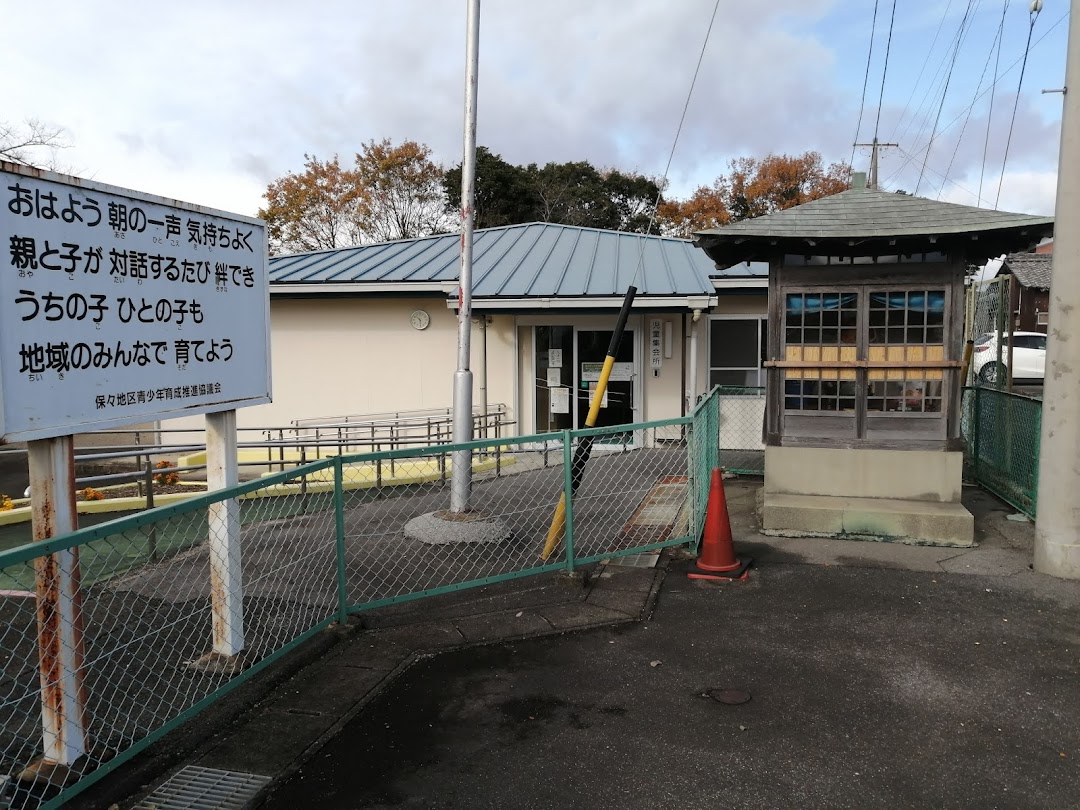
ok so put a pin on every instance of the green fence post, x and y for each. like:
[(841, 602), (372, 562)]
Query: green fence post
[(1037, 445), (339, 540), (568, 493), (976, 429)]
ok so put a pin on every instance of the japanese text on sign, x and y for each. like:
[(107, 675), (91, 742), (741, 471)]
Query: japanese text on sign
[(118, 307), (656, 343)]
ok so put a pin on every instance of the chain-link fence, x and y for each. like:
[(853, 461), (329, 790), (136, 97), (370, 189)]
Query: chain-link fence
[(989, 327), (1002, 433), (118, 633)]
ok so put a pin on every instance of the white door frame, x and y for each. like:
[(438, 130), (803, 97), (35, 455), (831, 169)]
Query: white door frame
[(635, 325)]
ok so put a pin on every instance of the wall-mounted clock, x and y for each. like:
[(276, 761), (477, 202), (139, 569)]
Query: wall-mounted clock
[(419, 319)]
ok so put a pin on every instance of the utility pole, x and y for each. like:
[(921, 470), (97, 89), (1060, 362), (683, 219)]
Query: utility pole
[(461, 476), (1057, 525), (872, 182)]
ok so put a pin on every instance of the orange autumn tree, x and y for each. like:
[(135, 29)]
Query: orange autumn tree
[(754, 187), (317, 209), (392, 191)]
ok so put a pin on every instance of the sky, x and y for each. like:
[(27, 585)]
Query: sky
[(209, 101)]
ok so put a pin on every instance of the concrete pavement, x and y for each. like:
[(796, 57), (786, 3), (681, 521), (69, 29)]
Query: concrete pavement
[(880, 676)]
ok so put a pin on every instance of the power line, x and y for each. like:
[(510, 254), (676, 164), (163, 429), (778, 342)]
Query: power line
[(866, 79), (978, 87), (1006, 72), (926, 62), (927, 102), (944, 178), (1035, 10), (962, 33), (675, 143), (990, 116), (884, 72), (945, 91)]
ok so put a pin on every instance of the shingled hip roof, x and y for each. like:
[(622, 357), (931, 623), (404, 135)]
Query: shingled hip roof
[(863, 214), (1031, 270)]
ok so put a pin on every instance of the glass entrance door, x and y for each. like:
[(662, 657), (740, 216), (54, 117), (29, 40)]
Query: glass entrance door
[(617, 408)]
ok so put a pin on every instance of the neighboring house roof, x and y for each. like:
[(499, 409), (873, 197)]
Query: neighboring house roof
[(515, 263), (1032, 270), (858, 218)]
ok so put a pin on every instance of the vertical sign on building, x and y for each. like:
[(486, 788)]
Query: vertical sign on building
[(656, 343)]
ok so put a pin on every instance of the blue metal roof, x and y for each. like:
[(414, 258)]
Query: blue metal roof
[(539, 259)]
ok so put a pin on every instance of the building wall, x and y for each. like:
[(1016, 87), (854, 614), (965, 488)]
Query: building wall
[(348, 357), (360, 356)]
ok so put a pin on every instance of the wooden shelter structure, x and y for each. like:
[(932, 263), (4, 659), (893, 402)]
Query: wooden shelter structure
[(865, 343)]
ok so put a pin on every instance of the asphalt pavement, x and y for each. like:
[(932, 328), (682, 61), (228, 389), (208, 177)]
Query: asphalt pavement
[(869, 688)]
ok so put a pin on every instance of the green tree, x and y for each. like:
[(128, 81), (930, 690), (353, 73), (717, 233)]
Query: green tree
[(573, 193), (504, 194)]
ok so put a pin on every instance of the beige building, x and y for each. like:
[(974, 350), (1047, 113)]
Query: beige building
[(372, 330)]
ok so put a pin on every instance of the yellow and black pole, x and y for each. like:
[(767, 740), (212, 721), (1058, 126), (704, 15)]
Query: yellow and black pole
[(584, 448)]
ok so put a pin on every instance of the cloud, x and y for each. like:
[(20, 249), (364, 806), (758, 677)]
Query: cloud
[(209, 101)]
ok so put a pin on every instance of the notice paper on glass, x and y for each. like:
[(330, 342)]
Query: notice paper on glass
[(555, 358), (554, 377), (560, 400)]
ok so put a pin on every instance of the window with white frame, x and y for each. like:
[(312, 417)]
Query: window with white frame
[(737, 348)]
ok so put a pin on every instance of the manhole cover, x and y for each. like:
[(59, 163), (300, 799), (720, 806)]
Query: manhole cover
[(729, 697)]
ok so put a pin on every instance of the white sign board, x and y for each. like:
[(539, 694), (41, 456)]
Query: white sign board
[(656, 343), (554, 377), (555, 358), (620, 372), (117, 307), (560, 400)]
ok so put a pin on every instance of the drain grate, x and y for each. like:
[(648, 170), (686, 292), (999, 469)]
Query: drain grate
[(644, 560), (195, 788)]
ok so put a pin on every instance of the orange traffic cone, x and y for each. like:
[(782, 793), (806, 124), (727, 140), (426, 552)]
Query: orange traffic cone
[(717, 559)]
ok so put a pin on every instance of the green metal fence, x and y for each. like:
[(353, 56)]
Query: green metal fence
[(1001, 432), (339, 536)]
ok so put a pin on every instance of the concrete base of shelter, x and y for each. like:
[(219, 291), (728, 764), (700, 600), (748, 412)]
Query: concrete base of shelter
[(904, 521), (446, 528)]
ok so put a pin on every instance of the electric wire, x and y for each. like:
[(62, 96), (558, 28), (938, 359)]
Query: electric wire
[(971, 109), (926, 105), (911, 157), (926, 61), (884, 71), (675, 143), (945, 91), (990, 115), (866, 80), (959, 40), (1016, 103)]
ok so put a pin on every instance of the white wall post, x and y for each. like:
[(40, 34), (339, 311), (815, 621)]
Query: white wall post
[(226, 576), (59, 607), (1057, 526)]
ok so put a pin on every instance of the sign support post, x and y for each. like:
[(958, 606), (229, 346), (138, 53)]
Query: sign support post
[(226, 581), (59, 612)]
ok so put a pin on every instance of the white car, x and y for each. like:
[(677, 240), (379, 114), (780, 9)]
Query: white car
[(1028, 357)]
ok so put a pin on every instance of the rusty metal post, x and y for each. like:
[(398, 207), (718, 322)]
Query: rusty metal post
[(59, 611), (226, 579)]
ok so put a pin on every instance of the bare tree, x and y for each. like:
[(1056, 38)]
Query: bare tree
[(32, 143)]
